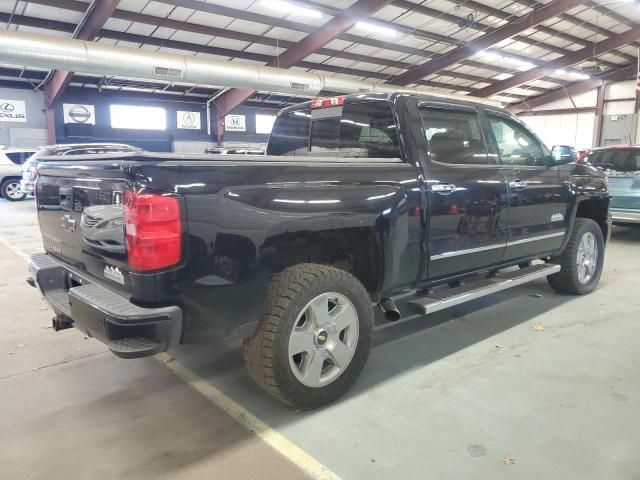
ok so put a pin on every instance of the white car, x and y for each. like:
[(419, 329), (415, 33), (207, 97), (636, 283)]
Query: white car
[(11, 160)]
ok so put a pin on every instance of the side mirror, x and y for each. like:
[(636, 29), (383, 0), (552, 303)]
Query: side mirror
[(563, 154)]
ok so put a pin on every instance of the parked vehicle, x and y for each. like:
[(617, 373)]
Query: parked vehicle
[(406, 203), (30, 174), (11, 161), (622, 166)]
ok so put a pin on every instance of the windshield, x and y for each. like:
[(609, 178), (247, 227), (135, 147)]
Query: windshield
[(366, 129), (616, 160)]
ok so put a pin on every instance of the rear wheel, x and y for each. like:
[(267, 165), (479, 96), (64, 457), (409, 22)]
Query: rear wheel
[(582, 259), (314, 338), (10, 190)]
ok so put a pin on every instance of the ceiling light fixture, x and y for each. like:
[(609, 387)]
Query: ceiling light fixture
[(375, 28), (491, 56), (288, 7)]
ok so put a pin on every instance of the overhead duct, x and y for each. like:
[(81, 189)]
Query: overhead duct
[(34, 50)]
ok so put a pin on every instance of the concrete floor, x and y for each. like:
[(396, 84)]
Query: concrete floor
[(472, 392)]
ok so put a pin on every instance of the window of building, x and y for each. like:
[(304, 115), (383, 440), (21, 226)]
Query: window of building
[(264, 123), (138, 118)]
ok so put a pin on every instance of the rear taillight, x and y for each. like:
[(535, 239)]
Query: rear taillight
[(153, 230)]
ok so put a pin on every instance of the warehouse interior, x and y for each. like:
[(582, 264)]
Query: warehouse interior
[(526, 383)]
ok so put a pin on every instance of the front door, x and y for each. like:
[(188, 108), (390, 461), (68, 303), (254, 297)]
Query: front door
[(466, 192), (538, 199)]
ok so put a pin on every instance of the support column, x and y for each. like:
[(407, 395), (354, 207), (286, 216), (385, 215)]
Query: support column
[(50, 122), (599, 115), (219, 128)]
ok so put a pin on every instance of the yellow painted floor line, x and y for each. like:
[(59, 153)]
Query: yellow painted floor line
[(295, 454), (13, 248), (278, 442)]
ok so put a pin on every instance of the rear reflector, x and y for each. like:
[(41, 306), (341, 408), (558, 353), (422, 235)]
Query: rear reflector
[(327, 102), (153, 230)]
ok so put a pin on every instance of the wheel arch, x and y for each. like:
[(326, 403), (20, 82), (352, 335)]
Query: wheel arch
[(597, 209), (357, 250)]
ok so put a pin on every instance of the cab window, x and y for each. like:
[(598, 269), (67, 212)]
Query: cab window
[(365, 129), (454, 136), (516, 145)]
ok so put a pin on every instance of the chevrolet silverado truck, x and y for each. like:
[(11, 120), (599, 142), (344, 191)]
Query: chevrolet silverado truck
[(366, 209)]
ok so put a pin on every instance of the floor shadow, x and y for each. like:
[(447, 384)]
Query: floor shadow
[(625, 233), (397, 349)]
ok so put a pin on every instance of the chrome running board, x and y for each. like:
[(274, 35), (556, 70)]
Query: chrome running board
[(440, 300)]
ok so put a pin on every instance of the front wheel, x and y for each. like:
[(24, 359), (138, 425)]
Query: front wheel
[(582, 259), (314, 338), (10, 190)]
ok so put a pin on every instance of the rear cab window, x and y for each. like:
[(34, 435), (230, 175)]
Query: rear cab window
[(364, 129)]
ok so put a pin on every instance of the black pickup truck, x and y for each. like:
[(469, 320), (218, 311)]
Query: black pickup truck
[(406, 203)]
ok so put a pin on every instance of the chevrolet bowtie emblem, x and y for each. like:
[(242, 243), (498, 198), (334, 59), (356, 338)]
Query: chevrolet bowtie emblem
[(68, 223)]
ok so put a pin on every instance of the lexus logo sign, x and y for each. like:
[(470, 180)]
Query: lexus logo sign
[(83, 114), (188, 120), (13, 111)]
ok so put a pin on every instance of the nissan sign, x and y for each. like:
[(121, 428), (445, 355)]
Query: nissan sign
[(13, 111), (82, 114)]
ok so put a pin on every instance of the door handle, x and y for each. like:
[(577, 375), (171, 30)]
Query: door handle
[(518, 184), (443, 188)]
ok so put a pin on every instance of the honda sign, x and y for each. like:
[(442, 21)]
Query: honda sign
[(235, 123)]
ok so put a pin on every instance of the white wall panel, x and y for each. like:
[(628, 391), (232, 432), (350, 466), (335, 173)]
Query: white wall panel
[(575, 129)]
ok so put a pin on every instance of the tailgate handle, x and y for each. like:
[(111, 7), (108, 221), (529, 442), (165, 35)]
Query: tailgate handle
[(65, 196)]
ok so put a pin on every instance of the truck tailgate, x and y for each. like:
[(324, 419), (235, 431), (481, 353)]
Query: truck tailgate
[(80, 208)]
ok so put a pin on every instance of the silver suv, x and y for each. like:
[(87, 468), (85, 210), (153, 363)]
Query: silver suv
[(11, 161)]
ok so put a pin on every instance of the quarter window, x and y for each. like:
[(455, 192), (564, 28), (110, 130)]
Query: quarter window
[(454, 136), (517, 146)]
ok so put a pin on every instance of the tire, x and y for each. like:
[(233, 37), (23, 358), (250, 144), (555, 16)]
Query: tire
[(290, 323), (571, 279), (10, 190)]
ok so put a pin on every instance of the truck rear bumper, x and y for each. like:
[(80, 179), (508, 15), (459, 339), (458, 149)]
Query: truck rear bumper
[(130, 331)]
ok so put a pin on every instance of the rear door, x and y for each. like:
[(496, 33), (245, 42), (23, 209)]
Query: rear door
[(538, 199), (467, 195)]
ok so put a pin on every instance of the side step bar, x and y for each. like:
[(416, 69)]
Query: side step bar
[(437, 301)]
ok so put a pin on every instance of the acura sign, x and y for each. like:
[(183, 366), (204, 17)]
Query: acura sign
[(75, 113), (188, 120), (13, 111)]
